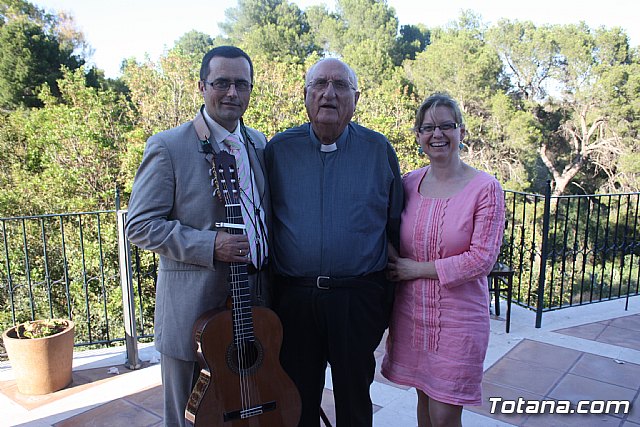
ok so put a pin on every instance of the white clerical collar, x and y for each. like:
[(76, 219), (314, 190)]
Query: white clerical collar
[(327, 148)]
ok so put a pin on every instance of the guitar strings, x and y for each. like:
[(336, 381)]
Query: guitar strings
[(235, 314), (247, 384)]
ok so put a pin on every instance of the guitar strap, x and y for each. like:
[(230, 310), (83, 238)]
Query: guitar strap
[(204, 133), (202, 130)]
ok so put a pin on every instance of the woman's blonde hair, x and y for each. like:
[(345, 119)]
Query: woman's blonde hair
[(438, 100)]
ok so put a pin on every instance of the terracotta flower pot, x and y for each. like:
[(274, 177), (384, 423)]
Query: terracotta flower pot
[(41, 365)]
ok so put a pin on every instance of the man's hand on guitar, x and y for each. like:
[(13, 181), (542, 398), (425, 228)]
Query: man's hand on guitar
[(231, 247)]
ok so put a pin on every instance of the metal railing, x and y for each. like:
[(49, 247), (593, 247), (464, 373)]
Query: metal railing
[(61, 265), (565, 250), (571, 250)]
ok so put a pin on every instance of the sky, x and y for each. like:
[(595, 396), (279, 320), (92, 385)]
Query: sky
[(120, 29)]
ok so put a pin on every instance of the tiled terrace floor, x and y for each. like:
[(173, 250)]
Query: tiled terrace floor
[(580, 353)]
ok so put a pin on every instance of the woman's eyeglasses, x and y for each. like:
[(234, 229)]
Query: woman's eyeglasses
[(444, 127)]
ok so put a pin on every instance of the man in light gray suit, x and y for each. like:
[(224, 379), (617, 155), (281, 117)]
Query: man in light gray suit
[(172, 212)]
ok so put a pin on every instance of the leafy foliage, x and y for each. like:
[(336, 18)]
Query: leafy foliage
[(556, 102), (275, 28), (34, 47), (540, 103), (40, 328), (68, 158), (194, 43)]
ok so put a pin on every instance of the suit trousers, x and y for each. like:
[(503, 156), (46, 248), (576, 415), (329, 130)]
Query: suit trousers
[(342, 326), (178, 379)]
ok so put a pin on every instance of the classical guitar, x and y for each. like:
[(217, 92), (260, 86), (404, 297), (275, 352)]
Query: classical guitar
[(241, 382)]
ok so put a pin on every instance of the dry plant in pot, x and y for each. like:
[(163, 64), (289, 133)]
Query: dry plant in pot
[(41, 354)]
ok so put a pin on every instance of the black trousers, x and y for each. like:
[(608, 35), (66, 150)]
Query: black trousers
[(342, 326)]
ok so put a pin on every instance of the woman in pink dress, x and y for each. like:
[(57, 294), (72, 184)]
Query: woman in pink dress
[(450, 236)]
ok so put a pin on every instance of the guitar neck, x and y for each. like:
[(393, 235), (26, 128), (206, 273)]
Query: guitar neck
[(240, 289)]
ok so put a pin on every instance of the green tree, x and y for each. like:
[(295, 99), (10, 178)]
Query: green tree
[(163, 94), (529, 53), (277, 100), (412, 40), (595, 67), (195, 43), (29, 58), (323, 27), (460, 63), (367, 39), (32, 53), (275, 28), (63, 157), (515, 135), (390, 109)]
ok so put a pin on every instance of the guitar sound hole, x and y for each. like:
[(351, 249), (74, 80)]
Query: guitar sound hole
[(245, 358)]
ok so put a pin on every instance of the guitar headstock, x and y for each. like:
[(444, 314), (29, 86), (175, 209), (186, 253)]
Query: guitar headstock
[(225, 178)]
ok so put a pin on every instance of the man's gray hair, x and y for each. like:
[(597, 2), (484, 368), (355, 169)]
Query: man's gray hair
[(353, 79)]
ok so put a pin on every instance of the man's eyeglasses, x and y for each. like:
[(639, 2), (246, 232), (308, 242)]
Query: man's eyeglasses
[(223, 85), (444, 127), (338, 85)]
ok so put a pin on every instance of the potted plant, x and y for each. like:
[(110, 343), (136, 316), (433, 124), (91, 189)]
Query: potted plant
[(41, 354)]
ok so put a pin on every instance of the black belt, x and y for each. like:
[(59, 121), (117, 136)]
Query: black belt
[(328, 282)]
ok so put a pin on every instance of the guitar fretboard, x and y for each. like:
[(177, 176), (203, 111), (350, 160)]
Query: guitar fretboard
[(239, 280)]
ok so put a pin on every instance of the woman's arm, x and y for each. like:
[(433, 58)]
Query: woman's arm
[(408, 269)]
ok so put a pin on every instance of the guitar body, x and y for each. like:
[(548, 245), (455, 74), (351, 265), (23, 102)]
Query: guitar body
[(270, 396)]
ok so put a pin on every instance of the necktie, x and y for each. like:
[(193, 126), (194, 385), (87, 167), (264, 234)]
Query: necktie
[(247, 196)]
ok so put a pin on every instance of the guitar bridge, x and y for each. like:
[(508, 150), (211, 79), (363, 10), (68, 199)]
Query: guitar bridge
[(249, 412)]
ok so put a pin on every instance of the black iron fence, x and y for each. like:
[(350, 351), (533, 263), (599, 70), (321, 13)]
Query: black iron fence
[(571, 250), (566, 250), (63, 265)]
